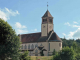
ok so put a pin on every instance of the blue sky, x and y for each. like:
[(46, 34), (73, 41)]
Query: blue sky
[(25, 16)]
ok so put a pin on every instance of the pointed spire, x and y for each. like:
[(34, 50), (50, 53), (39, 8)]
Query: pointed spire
[(47, 5), (47, 14)]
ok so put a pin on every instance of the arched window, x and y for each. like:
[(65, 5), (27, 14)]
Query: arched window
[(22, 47), (41, 44), (25, 47), (36, 45), (36, 51), (32, 47), (29, 46), (59, 44)]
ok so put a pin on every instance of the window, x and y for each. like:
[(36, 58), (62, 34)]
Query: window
[(22, 47), (28, 46), (44, 20), (36, 45), (49, 46), (36, 51), (32, 47), (25, 47), (59, 44)]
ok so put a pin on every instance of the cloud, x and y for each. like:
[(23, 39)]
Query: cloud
[(64, 34), (18, 25), (35, 29), (21, 31), (74, 35), (76, 26), (6, 13), (77, 33), (75, 22), (67, 23)]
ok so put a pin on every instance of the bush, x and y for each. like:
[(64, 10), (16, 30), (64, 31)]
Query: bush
[(24, 56), (65, 54)]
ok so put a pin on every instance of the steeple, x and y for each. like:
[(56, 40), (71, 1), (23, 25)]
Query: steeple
[(47, 14)]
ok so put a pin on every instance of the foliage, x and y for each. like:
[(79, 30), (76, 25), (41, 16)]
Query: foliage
[(54, 52), (70, 42), (74, 45), (24, 56), (9, 41), (56, 57), (65, 54)]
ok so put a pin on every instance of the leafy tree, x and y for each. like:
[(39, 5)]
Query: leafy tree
[(9, 41), (24, 56), (65, 54), (74, 45), (56, 57), (54, 52)]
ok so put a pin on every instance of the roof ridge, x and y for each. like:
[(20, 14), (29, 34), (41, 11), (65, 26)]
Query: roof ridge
[(30, 33)]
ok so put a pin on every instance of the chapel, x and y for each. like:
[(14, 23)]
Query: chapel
[(42, 42)]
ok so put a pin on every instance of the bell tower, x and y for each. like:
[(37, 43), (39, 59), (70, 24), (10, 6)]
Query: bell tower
[(47, 24)]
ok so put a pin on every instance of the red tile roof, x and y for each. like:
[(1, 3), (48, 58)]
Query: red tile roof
[(36, 37), (33, 37)]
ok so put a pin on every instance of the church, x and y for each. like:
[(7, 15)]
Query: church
[(42, 42)]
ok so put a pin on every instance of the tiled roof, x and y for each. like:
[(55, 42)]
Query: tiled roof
[(55, 37), (36, 37), (42, 39), (47, 14), (26, 38)]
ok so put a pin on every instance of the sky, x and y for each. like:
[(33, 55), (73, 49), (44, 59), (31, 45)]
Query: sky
[(25, 16)]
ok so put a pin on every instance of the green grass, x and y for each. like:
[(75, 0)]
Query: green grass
[(41, 57)]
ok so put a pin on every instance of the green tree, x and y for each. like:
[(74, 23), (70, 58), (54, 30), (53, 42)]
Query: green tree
[(65, 54), (54, 52), (74, 45), (24, 56), (9, 41)]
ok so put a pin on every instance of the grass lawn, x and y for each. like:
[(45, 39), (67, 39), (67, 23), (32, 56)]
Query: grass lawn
[(41, 57)]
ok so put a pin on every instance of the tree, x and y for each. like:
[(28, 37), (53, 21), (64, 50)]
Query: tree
[(9, 41), (74, 45), (65, 54), (54, 52), (24, 56)]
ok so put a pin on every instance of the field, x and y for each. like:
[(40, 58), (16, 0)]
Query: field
[(41, 57)]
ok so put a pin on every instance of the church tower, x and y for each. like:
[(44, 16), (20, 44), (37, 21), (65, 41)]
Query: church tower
[(47, 24)]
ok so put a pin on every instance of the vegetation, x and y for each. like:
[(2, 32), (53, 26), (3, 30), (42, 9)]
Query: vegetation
[(70, 51), (41, 57), (9, 41), (65, 54), (54, 52), (69, 42), (24, 56)]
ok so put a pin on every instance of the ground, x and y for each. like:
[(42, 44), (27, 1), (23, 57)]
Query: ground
[(41, 57)]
